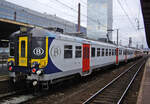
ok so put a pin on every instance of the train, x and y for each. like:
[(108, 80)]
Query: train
[(44, 57)]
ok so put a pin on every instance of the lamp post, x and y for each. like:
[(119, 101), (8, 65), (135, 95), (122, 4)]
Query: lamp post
[(117, 49), (117, 34)]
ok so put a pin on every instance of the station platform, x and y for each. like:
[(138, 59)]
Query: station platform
[(3, 69), (3, 72), (144, 94), (4, 78)]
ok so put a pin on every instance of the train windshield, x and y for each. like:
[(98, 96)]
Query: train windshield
[(38, 47), (12, 49)]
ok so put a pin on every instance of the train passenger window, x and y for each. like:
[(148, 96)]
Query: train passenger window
[(23, 49), (123, 52), (103, 52), (106, 52), (112, 51), (127, 52), (120, 52), (78, 52), (93, 52), (98, 51), (109, 52), (68, 51)]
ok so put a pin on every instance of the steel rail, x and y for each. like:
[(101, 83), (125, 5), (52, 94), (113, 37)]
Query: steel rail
[(115, 79), (123, 95)]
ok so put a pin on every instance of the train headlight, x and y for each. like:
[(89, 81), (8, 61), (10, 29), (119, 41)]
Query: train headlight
[(39, 72), (35, 83), (33, 65), (10, 63)]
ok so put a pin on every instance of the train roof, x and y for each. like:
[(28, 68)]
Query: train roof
[(40, 32), (36, 32)]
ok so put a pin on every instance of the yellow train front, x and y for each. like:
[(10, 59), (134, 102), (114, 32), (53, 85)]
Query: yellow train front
[(28, 54)]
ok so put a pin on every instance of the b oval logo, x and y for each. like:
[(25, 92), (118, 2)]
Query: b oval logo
[(38, 51), (55, 51)]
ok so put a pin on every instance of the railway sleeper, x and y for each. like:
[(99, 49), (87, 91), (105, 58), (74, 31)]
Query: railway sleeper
[(99, 101), (109, 98)]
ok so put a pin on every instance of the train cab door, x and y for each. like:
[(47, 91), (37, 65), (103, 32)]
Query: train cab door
[(117, 56), (23, 51), (86, 58)]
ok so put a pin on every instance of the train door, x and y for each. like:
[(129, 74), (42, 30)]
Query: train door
[(86, 58), (126, 58), (23, 51), (117, 56)]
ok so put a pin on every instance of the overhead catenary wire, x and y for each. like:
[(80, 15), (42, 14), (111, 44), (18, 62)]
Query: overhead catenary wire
[(65, 13), (91, 19), (126, 15)]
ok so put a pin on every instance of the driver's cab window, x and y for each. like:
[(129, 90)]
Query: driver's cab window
[(23, 49)]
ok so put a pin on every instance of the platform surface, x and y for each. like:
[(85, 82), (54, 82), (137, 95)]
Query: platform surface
[(144, 94), (3, 69)]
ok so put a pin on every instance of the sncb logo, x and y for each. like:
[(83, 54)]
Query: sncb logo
[(38, 51)]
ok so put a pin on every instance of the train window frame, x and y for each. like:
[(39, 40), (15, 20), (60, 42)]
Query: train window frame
[(113, 52), (124, 52), (68, 49), (103, 52), (93, 52), (98, 52), (23, 48), (120, 52), (106, 52), (110, 52), (78, 51)]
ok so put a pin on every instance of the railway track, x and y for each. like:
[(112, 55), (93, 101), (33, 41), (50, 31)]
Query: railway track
[(16, 97), (22, 98), (114, 92)]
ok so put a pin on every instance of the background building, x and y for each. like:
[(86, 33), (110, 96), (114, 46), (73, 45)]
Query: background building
[(99, 21), (18, 13)]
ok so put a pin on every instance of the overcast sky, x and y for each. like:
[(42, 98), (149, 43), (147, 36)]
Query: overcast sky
[(124, 18)]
